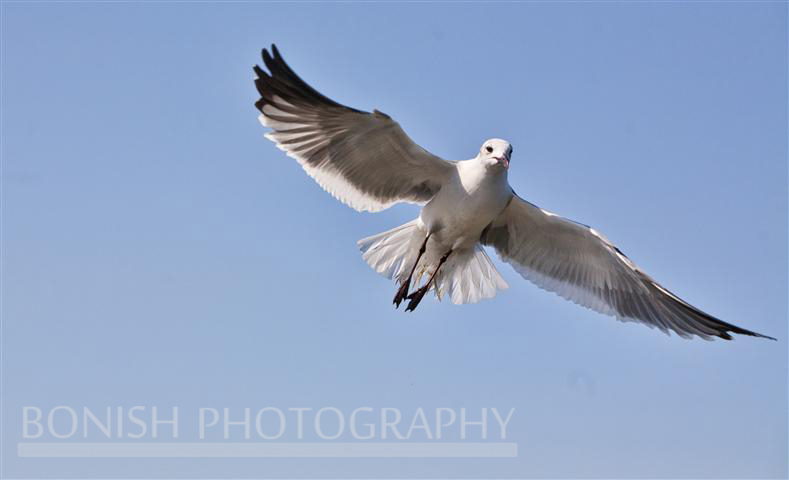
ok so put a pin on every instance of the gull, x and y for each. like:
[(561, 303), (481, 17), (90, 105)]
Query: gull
[(365, 160)]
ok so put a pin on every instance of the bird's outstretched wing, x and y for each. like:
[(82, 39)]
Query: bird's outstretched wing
[(581, 265), (363, 159)]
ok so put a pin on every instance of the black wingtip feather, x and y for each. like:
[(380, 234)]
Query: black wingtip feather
[(282, 81), (720, 329), (724, 328), (267, 59), (743, 331)]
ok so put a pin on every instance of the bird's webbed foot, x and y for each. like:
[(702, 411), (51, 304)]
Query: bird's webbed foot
[(402, 293), (416, 297)]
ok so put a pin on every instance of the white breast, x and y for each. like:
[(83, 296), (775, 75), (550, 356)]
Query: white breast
[(462, 208)]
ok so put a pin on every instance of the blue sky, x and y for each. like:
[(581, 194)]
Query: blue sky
[(157, 250)]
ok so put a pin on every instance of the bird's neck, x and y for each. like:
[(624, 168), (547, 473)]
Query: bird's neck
[(475, 173)]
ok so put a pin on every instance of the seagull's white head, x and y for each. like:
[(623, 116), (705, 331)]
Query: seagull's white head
[(496, 153)]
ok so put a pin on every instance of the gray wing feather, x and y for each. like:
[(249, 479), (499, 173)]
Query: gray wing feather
[(363, 159), (581, 265)]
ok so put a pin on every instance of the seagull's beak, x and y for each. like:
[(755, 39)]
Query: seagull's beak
[(504, 161)]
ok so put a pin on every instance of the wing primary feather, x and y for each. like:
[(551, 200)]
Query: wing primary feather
[(580, 264), (363, 159)]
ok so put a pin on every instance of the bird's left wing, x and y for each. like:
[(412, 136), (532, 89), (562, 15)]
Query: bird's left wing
[(363, 159), (581, 265)]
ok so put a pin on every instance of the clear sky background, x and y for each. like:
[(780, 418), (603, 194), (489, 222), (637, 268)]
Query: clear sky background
[(157, 250)]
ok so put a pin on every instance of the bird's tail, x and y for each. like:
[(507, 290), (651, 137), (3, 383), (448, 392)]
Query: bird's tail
[(468, 276), (393, 253)]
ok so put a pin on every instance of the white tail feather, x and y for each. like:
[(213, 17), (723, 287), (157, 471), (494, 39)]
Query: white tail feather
[(392, 253), (468, 276)]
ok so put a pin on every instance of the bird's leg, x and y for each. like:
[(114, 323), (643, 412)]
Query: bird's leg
[(417, 296), (402, 292)]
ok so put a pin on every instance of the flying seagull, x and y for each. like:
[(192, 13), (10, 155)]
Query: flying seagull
[(366, 161)]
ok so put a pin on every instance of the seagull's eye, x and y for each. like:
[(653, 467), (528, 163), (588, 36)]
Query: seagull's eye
[(489, 149)]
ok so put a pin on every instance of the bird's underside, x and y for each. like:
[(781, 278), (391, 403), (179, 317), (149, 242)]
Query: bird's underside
[(366, 161)]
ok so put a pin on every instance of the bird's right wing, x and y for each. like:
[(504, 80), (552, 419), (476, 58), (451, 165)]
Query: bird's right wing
[(581, 265), (363, 159)]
